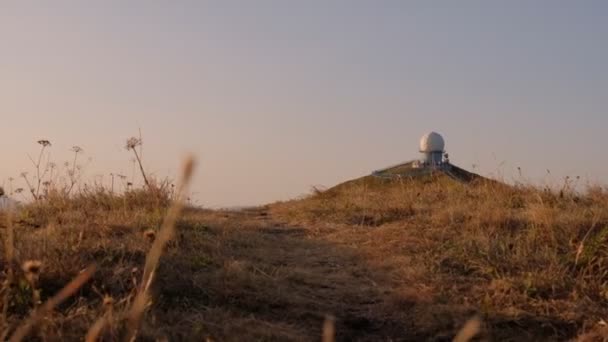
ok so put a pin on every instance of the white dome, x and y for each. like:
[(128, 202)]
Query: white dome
[(432, 142)]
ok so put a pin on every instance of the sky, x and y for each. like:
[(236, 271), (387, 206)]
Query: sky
[(273, 97)]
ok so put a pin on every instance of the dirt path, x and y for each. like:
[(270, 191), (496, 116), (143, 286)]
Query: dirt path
[(250, 277), (273, 282)]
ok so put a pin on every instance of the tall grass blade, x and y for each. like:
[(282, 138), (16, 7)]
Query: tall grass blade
[(165, 234)]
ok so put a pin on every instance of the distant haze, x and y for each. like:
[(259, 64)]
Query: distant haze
[(276, 96)]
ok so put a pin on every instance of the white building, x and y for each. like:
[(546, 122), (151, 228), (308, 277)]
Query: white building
[(432, 146)]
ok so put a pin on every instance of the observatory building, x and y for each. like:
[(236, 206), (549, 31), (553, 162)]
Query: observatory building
[(434, 160), (432, 147)]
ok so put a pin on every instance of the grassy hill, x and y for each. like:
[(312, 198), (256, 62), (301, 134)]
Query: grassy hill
[(389, 260)]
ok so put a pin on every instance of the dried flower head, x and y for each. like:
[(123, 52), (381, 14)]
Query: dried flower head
[(132, 143), (32, 266), (1, 191), (44, 142), (77, 149), (108, 302), (32, 269), (150, 235)]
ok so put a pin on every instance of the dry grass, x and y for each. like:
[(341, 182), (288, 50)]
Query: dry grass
[(86, 202), (524, 258), (393, 261), (23, 330), (166, 232)]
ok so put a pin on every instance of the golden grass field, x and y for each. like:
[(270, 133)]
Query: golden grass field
[(370, 260)]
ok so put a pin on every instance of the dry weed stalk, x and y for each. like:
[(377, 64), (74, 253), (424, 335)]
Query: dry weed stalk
[(164, 235), (581, 246), (62, 295), (29, 185), (131, 144), (97, 328), (470, 329), (9, 248), (36, 192), (72, 172), (329, 329)]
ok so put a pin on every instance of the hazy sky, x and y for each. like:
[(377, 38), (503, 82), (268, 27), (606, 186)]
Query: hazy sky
[(276, 96)]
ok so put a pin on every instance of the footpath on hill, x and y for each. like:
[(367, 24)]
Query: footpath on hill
[(281, 282)]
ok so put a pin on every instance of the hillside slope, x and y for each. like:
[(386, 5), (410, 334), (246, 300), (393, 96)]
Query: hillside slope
[(529, 261), (403, 260)]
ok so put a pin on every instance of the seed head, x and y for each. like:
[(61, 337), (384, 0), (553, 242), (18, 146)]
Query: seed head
[(150, 235), (132, 143), (32, 266), (77, 149), (44, 142), (108, 301), (32, 269)]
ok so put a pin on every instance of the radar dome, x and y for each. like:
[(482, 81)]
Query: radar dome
[(432, 142)]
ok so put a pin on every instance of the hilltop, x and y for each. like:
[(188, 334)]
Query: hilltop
[(407, 172), (391, 260)]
